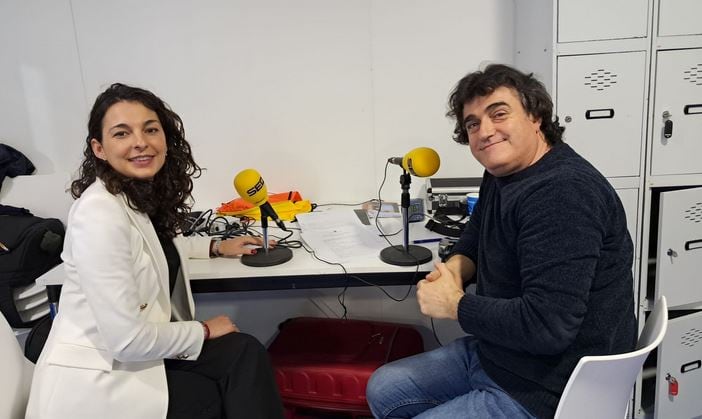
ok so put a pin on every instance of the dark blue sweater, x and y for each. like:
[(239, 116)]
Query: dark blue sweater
[(554, 280)]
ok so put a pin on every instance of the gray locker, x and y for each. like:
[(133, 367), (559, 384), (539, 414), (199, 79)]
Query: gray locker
[(600, 100), (679, 17), (680, 363), (630, 201), (594, 20), (679, 257), (677, 114)]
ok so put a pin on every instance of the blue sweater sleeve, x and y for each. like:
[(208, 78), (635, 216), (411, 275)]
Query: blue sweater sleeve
[(560, 231)]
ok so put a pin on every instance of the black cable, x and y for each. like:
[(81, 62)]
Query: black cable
[(433, 331), (341, 297), (385, 236), (380, 204), (348, 205)]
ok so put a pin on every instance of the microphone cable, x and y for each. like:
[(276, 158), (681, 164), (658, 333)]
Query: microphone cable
[(282, 241), (347, 205), (341, 297), (385, 236), (207, 224)]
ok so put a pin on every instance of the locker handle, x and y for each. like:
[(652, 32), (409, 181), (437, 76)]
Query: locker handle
[(668, 129), (599, 113), (690, 366), (693, 244), (693, 109)]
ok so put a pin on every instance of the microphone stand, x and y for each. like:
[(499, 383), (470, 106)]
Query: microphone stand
[(405, 254), (269, 256)]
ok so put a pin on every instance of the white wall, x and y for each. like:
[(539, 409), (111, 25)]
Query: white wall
[(315, 94)]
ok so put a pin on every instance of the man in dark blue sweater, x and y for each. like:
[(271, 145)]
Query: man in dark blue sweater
[(549, 249)]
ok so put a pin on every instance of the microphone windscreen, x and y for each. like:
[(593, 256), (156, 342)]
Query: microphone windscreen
[(421, 161), (250, 186)]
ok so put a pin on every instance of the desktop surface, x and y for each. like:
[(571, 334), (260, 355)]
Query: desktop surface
[(304, 270)]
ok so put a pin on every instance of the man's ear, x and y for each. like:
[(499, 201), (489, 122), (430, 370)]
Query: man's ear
[(97, 149)]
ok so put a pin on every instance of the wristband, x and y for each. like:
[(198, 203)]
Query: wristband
[(215, 248), (206, 328)]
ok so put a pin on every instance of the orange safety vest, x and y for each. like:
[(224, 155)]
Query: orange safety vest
[(286, 204)]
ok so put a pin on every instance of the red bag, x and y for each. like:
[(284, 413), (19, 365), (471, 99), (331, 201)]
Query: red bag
[(324, 364)]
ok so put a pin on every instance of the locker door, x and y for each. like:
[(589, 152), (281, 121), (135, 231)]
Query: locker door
[(679, 261), (630, 201), (677, 115), (601, 19), (679, 17), (600, 100), (680, 358)]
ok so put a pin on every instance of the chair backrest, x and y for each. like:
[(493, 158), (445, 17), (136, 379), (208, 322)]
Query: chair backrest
[(16, 377), (600, 386)]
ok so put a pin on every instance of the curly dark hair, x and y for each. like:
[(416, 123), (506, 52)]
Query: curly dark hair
[(534, 97), (165, 198)]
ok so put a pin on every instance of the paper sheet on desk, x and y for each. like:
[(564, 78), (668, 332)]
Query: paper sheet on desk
[(339, 236)]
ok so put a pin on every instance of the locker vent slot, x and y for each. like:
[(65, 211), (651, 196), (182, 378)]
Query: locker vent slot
[(691, 338), (694, 75), (602, 79), (694, 213)]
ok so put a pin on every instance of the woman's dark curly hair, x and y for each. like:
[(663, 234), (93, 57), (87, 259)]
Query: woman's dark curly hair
[(534, 97), (165, 198)]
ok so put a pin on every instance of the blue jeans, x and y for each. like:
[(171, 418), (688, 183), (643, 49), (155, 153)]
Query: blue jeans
[(447, 382)]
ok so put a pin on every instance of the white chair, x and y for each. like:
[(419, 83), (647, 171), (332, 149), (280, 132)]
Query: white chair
[(600, 386), (16, 376)]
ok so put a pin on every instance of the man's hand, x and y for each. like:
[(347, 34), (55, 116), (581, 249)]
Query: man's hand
[(456, 265), (439, 294)]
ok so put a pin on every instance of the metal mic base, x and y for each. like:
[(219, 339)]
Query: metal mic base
[(396, 255), (275, 256)]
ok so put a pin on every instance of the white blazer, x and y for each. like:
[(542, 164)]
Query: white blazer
[(104, 355)]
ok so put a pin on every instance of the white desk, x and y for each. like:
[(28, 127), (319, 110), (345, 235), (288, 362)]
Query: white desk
[(302, 271)]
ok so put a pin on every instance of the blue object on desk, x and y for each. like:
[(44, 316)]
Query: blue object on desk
[(471, 201), (416, 210), (432, 240)]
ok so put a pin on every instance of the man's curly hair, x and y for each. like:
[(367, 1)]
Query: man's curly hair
[(165, 198), (532, 93)]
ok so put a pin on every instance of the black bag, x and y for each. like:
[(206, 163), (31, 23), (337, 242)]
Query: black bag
[(29, 247), (37, 338)]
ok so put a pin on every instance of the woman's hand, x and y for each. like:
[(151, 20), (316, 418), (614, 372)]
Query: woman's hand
[(240, 245), (220, 326)]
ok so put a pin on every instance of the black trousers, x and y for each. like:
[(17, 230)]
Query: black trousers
[(232, 378)]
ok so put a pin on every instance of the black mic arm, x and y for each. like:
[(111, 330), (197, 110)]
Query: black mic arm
[(395, 160), (268, 211)]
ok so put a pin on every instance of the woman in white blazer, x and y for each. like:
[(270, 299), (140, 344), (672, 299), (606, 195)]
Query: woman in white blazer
[(125, 343)]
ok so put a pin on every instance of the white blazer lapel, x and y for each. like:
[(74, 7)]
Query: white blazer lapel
[(153, 246), (183, 286)]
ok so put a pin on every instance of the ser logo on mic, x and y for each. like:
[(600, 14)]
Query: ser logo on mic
[(250, 186), (256, 188)]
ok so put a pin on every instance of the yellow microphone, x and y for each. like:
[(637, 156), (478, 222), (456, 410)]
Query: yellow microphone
[(421, 161), (250, 186)]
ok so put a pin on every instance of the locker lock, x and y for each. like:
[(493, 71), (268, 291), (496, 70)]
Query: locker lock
[(672, 253), (672, 385), (568, 118), (667, 125)]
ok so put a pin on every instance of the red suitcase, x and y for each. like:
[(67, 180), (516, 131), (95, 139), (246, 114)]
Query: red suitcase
[(324, 364)]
